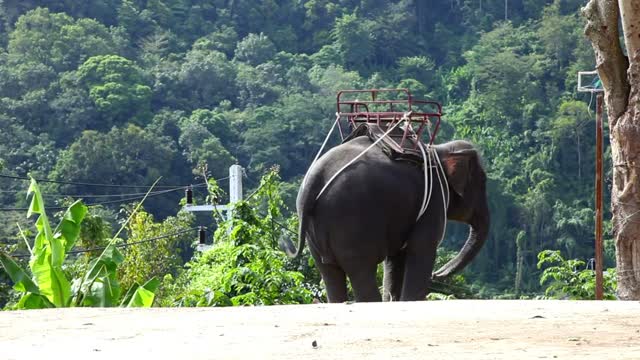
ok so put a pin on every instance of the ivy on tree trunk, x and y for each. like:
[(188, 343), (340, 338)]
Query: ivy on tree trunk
[(620, 77)]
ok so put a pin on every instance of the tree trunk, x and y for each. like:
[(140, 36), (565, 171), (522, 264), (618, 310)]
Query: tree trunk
[(621, 81), (579, 160), (520, 239)]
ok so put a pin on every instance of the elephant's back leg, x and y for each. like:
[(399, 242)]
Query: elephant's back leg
[(335, 282), (359, 250), (333, 276), (355, 251), (365, 284)]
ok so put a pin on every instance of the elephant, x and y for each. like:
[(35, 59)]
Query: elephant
[(367, 215)]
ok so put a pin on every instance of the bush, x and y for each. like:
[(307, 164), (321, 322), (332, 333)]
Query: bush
[(567, 282), (245, 266)]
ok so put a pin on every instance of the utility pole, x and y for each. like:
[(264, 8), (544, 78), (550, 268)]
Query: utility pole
[(235, 195), (506, 10), (595, 86), (599, 279)]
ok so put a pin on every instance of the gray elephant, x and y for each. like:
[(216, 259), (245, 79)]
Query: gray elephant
[(368, 213)]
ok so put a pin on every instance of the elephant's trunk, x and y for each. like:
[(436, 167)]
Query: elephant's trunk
[(478, 232)]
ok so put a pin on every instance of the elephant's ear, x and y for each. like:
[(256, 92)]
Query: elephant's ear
[(457, 165)]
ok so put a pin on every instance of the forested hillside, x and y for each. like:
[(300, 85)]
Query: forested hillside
[(124, 91)]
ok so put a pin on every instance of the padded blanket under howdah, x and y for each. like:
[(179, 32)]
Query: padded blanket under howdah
[(390, 144)]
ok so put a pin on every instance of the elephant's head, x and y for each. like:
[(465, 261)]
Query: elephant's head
[(468, 202)]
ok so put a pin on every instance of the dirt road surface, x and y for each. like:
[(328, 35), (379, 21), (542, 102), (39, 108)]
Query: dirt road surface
[(460, 329)]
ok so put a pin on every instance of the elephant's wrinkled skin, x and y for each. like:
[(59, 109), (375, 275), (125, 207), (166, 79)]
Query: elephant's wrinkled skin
[(368, 215)]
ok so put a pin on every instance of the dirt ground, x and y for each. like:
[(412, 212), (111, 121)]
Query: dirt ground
[(459, 329)]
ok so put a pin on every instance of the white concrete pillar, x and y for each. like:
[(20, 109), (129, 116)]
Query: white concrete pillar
[(235, 187)]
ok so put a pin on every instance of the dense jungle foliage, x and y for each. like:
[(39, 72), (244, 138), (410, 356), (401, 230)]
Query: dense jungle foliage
[(125, 91)]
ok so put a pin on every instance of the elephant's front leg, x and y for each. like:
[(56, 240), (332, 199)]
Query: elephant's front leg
[(416, 281), (393, 276), (420, 256)]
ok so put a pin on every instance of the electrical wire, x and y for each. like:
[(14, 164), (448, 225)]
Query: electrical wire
[(93, 184), (80, 251), (103, 195), (135, 196), (131, 199)]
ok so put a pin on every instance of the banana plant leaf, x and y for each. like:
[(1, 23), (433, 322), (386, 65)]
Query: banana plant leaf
[(21, 280), (141, 295), (100, 286), (48, 254)]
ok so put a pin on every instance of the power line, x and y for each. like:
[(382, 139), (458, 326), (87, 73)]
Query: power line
[(131, 199), (80, 251), (94, 184), (104, 195), (139, 195)]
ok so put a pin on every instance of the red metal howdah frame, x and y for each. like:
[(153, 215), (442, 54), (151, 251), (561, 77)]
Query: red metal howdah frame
[(388, 111)]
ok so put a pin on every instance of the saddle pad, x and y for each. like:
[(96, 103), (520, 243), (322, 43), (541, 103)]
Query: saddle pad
[(390, 144)]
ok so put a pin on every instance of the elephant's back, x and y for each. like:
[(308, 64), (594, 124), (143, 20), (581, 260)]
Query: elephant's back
[(372, 171), (372, 197)]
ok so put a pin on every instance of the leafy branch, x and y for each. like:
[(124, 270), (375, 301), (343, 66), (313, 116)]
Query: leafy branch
[(565, 280)]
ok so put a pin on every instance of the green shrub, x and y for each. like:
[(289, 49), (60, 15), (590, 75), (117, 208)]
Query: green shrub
[(566, 281), (245, 266)]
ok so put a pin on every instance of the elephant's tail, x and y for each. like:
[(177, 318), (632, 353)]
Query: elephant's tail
[(306, 204), (287, 245)]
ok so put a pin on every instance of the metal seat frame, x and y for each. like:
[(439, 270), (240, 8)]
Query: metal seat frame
[(401, 106)]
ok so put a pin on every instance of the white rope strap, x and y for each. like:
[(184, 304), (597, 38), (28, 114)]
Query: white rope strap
[(326, 139), (404, 118), (445, 201), (428, 181)]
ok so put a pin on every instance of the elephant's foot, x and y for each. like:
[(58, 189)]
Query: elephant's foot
[(389, 297)]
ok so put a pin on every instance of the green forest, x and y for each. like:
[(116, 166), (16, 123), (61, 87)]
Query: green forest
[(124, 92)]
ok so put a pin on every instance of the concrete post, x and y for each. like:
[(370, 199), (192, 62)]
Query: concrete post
[(235, 195), (235, 187)]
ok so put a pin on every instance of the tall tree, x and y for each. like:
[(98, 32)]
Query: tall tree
[(353, 38), (205, 78), (620, 77), (59, 41), (117, 88)]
